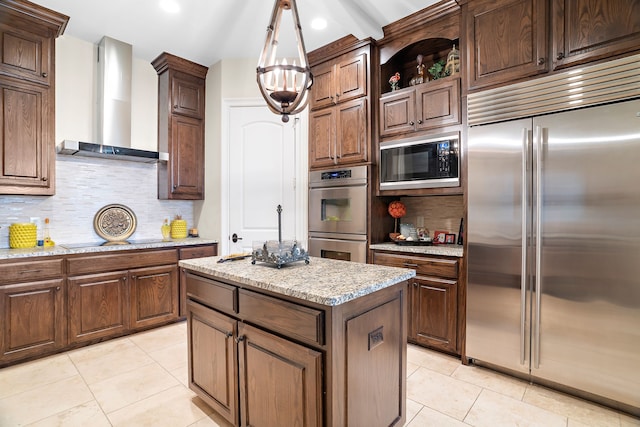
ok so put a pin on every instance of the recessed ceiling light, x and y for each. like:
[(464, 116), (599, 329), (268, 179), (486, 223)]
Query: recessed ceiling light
[(319, 24), (170, 6)]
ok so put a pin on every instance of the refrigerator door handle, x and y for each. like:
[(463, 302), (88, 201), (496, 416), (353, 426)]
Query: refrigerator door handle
[(523, 271), (537, 291)]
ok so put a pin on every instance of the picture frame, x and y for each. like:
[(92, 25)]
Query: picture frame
[(439, 236), (450, 238)]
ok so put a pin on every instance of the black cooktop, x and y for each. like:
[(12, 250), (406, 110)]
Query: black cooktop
[(103, 243)]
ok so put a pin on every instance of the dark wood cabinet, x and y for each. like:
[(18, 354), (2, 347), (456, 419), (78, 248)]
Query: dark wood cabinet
[(213, 361), (340, 117), (587, 30), (98, 306), (339, 135), (340, 80), (510, 40), (181, 108), (280, 381), (435, 297), (113, 294), (261, 358), (506, 40), (154, 295), (27, 93), (190, 253), (33, 319), (419, 108)]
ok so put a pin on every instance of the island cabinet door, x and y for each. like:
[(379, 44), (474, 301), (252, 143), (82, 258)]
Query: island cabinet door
[(280, 381), (213, 359)]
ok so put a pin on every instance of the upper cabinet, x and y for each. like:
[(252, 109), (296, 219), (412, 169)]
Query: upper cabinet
[(587, 30), (27, 97), (181, 104), (340, 118), (419, 79), (509, 40)]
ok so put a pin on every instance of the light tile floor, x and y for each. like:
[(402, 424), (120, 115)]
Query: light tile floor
[(141, 380)]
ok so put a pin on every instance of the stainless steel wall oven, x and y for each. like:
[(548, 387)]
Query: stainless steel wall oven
[(338, 213)]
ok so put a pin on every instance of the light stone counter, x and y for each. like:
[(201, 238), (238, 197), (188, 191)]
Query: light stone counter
[(446, 250), (323, 281), (83, 249)]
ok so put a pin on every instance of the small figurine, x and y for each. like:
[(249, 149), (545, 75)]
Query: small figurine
[(394, 80), (420, 78)]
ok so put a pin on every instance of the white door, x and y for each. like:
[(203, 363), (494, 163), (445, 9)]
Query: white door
[(262, 171)]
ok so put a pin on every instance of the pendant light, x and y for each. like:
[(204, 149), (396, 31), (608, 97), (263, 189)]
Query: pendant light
[(284, 86)]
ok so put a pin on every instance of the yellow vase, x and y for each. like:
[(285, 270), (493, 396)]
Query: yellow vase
[(178, 229), (22, 235)]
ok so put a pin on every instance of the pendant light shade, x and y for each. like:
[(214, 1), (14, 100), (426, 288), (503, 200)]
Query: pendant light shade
[(284, 86)]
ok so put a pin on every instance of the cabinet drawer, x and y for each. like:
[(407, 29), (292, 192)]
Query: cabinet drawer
[(125, 261), (424, 266), (212, 293), (293, 320), (31, 270), (198, 252)]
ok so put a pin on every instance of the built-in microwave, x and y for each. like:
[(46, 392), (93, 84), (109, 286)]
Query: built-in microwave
[(430, 162)]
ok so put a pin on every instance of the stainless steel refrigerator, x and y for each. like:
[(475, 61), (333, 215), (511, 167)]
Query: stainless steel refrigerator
[(554, 232)]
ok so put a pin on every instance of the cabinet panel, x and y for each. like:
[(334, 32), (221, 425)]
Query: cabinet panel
[(26, 157), (212, 293), (438, 104), (187, 154), (434, 306), (587, 30), (187, 95), (281, 382), (322, 137), (199, 251), (31, 270), (352, 139), (213, 359), (154, 295), (397, 112), (424, 265), (352, 77), (111, 262), (25, 55), (98, 306), (323, 92), (507, 40), (33, 319), (374, 347)]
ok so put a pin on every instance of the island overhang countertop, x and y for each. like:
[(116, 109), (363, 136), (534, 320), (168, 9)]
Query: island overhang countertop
[(324, 281)]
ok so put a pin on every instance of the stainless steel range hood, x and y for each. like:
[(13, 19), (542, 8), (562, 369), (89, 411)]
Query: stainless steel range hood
[(115, 60)]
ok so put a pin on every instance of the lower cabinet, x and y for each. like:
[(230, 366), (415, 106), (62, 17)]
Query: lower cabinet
[(280, 381), (261, 360), (33, 320), (154, 295), (434, 308)]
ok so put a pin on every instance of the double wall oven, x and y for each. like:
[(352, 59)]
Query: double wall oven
[(338, 213)]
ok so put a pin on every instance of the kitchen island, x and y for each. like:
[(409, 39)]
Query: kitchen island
[(307, 345)]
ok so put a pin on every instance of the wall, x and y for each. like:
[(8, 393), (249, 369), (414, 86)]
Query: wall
[(441, 213), (84, 185)]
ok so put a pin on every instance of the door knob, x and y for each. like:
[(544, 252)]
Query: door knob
[(235, 238)]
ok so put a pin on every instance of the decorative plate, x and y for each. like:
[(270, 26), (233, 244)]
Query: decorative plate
[(115, 222)]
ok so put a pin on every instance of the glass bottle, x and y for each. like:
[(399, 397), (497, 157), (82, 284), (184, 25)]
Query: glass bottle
[(166, 229)]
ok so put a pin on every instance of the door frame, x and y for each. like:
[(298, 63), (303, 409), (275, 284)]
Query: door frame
[(301, 170)]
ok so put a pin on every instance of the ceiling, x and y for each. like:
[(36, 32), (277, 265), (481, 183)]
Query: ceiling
[(205, 31)]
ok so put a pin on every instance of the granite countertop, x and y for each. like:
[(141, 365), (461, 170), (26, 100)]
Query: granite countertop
[(323, 281), (446, 250), (77, 248)]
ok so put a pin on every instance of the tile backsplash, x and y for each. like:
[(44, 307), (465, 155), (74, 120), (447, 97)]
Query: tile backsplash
[(83, 186), (438, 212)]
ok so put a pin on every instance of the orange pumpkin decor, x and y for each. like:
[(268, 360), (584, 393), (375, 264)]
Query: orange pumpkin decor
[(397, 209)]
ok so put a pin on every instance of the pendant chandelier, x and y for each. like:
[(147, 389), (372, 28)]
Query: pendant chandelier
[(284, 86)]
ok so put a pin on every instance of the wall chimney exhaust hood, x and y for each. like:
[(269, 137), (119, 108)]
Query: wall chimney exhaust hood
[(115, 60)]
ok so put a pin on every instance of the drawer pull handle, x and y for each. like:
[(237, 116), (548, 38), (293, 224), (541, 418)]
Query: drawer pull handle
[(408, 264), (30, 271)]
